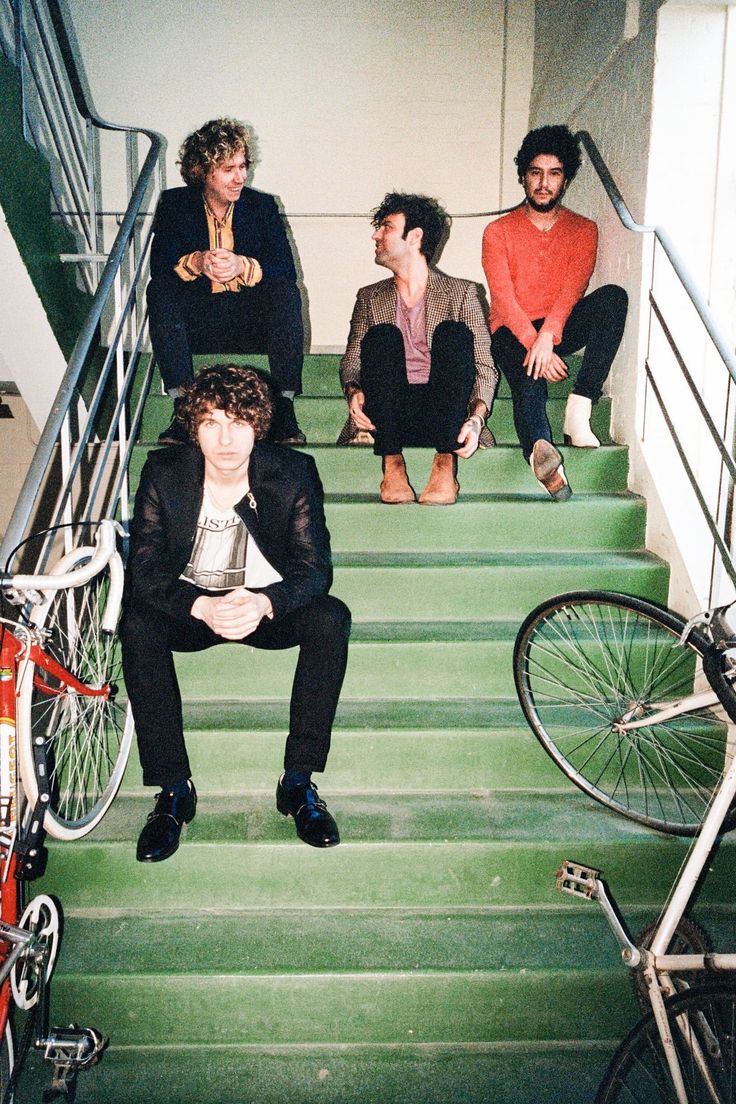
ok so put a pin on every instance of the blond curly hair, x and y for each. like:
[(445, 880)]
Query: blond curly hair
[(214, 143)]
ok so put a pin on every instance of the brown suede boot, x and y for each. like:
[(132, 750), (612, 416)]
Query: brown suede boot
[(395, 486), (442, 488)]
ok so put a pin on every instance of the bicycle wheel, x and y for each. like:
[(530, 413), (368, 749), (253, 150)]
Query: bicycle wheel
[(86, 738), (586, 662), (703, 1027)]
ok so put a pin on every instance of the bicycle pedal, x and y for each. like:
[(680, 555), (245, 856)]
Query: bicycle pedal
[(74, 1048), (578, 880)]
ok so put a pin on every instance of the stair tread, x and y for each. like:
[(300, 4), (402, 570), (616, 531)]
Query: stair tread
[(474, 1006), (464, 1073), (495, 817), (264, 942), (376, 873)]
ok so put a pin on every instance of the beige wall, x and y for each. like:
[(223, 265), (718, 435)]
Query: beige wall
[(18, 439), (348, 101)]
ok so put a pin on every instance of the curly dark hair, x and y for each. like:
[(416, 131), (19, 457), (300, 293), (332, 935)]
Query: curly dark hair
[(418, 210), (211, 145), (559, 141), (240, 392)]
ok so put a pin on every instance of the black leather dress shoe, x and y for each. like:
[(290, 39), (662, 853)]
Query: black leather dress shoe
[(160, 836), (314, 823)]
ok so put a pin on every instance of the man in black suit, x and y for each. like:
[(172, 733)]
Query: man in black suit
[(222, 274), (228, 542)]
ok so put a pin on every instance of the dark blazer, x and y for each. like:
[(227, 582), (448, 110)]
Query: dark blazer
[(287, 523), (180, 227)]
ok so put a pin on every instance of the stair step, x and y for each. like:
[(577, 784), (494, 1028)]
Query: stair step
[(639, 867), (266, 942), (477, 1006), (360, 713), (321, 374), (323, 417), (372, 762), (508, 585), (499, 524), (504, 817), (242, 673), (356, 471), (540, 1073)]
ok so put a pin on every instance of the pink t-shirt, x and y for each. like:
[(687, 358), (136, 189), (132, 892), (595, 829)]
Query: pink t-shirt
[(412, 321)]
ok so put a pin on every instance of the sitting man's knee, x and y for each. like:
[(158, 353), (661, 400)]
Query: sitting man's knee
[(384, 337), (455, 337), (329, 616), (616, 297)]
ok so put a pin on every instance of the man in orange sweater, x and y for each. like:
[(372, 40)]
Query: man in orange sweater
[(538, 260)]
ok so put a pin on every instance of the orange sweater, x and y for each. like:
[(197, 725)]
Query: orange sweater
[(535, 273)]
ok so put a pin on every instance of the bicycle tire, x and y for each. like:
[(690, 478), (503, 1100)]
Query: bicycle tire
[(7, 1064), (87, 739), (639, 1071), (584, 659), (721, 674)]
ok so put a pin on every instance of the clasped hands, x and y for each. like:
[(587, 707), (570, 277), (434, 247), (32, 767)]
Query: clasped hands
[(234, 615), (220, 265), (542, 362), (468, 437)]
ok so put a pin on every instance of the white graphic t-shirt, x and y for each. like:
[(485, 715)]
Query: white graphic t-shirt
[(224, 555)]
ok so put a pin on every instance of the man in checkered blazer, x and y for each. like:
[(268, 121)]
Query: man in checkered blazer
[(418, 367)]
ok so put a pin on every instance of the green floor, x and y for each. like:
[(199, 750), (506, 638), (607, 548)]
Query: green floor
[(428, 958)]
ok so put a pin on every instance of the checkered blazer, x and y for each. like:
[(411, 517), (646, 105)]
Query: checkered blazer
[(448, 299)]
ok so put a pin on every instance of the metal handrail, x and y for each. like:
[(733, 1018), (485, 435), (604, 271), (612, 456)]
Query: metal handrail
[(696, 297), (720, 342), (114, 303)]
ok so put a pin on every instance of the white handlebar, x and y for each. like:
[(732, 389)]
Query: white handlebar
[(61, 577)]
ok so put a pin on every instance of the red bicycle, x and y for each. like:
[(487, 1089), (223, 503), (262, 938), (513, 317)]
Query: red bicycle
[(65, 736)]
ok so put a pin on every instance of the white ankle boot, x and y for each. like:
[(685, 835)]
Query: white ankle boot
[(576, 430)]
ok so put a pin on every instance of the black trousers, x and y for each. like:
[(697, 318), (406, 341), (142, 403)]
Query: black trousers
[(595, 322), (426, 414), (320, 630), (186, 318)]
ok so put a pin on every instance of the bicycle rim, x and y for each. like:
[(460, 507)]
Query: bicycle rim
[(86, 739), (585, 661), (703, 1027)]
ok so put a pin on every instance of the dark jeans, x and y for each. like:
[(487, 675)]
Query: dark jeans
[(426, 414), (595, 322), (185, 318), (320, 630)]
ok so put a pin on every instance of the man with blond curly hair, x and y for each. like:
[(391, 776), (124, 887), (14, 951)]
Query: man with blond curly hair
[(222, 274)]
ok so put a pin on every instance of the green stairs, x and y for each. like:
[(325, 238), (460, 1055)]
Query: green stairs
[(428, 958)]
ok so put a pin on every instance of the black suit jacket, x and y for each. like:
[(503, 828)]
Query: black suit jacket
[(180, 227), (288, 524)]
